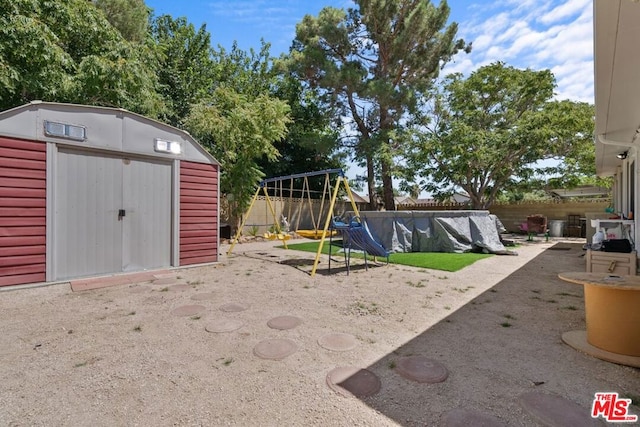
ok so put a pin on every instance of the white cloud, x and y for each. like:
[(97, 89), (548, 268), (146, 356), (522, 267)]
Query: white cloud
[(553, 34), (460, 64), (565, 10), (575, 80), (483, 41)]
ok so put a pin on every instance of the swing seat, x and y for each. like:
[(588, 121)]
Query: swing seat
[(314, 234), (276, 236)]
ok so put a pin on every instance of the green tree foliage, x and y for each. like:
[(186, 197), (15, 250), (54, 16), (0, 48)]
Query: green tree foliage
[(67, 51), (311, 143), (488, 131), (33, 64), (185, 66), (239, 130), (130, 17), (572, 145), (374, 63), (250, 73)]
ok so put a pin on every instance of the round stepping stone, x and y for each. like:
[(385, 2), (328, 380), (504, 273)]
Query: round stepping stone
[(180, 288), (351, 381), (233, 307), (223, 325), (422, 369), (275, 349), (165, 281), (188, 310), (338, 341), (203, 296), (284, 322), (553, 410), (461, 417)]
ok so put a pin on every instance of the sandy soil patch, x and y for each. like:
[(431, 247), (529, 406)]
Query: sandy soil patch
[(184, 353)]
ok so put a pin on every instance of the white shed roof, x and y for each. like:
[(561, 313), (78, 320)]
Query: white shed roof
[(105, 128)]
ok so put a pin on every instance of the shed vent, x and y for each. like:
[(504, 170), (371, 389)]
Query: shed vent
[(62, 130)]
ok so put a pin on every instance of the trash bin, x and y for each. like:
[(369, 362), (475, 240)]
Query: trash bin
[(556, 227)]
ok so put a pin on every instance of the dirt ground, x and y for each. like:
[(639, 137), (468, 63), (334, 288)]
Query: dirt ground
[(122, 355)]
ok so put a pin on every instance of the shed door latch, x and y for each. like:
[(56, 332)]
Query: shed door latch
[(121, 214)]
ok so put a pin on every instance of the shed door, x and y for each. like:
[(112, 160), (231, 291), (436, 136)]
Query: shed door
[(147, 222), (112, 214)]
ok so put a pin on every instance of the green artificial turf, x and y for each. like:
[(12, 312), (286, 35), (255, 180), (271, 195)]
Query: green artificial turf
[(432, 260)]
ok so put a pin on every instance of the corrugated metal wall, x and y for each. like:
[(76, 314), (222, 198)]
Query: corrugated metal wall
[(198, 213), (22, 211)]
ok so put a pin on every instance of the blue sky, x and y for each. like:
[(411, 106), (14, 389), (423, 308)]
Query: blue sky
[(536, 34)]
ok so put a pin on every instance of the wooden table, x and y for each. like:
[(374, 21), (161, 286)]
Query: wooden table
[(612, 311)]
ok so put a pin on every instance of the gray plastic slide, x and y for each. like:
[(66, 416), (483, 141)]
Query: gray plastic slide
[(357, 236), (361, 238)]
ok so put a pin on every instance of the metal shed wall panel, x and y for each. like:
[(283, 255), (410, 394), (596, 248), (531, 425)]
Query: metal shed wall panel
[(147, 224), (106, 128), (198, 213), (138, 139), (92, 237), (22, 211), (88, 196)]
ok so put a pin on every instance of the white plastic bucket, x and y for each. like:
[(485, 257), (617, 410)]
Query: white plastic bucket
[(556, 227)]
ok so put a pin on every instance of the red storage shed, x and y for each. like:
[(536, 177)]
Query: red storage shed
[(88, 191)]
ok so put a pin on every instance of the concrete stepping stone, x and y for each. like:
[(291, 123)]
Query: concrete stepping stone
[(203, 296), (421, 369), (352, 381), (462, 417), (188, 310), (275, 349), (138, 289), (556, 411), (284, 322), (223, 325), (233, 307), (338, 341)]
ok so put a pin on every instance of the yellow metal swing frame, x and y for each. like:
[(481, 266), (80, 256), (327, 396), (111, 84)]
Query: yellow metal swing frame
[(341, 180)]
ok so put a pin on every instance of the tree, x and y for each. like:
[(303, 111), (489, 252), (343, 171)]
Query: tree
[(574, 124), (33, 64), (66, 51), (488, 131), (185, 66), (311, 143), (129, 17), (374, 63), (250, 73), (238, 130)]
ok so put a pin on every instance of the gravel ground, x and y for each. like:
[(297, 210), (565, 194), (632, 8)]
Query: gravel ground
[(121, 355)]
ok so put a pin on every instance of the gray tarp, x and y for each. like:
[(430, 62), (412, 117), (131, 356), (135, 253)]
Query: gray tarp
[(435, 231)]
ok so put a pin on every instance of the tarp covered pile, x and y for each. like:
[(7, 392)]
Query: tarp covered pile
[(436, 231)]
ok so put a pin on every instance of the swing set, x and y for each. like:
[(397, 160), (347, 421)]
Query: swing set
[(297, 186)]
